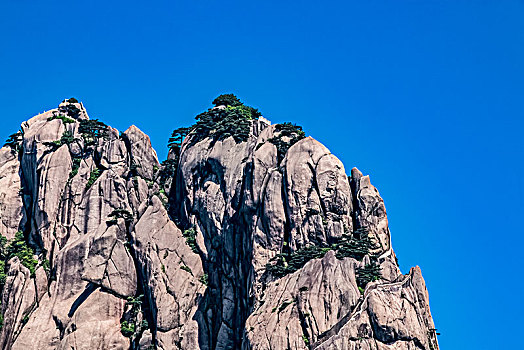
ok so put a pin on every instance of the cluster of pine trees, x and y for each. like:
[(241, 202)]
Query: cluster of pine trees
[(356, 245)]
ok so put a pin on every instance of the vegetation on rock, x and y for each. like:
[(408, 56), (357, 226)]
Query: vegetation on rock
[(63, 118), (368, 273), (167, 171), (67, 138), (16, 247), (92, 130), (75, 166), (130, 324), (120, 214), (190, 236), (221, 123), (204, 279), (286, 135), (186, 268), (226, 100), (177, 137), (229, 118), (95, 174), (69, 110), (14, 141), (127, 329), (286, 263), (356, 246), (174, 144)]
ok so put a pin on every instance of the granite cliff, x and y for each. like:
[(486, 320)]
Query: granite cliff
[(249, 236)]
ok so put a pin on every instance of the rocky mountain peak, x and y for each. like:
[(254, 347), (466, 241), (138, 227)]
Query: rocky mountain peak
[(251, 235)]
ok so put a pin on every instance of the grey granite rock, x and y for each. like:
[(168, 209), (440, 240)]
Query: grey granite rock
[(185, 261)]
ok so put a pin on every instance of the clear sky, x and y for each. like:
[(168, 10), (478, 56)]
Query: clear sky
[(425, 96)]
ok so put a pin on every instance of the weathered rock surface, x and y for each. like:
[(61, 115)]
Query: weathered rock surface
[(129, 261)]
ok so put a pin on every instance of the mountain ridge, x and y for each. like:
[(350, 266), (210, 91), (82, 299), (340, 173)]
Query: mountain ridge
[(229, 243)]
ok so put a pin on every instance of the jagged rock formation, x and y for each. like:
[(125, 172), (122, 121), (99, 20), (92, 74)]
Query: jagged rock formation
[(208, 250)]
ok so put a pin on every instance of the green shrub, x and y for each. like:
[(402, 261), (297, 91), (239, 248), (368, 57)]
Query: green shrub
[(14, 141), (286, 135), (25, 319), (190, 236), (133, 166), (354, 246), (286, 263), (186, 268), (3, 248), (368, 273), (18, 247), (46, 265), (92, 130), (305, 339), (284, 304), (127, 329), (129, 323), (75, 166), (135, 302), (95, 174), (3, 274), (63, 118), (204, 279), (53, 145), (66, 139)]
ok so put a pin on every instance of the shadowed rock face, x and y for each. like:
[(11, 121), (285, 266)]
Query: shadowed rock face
[(130, 261)]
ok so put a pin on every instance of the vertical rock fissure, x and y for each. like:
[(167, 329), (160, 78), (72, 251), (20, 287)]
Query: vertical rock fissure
[(303, 324), (30, 198), (286, 241), (142, 284), (141, 290), (323, 208), (243, 224), (354, 197)]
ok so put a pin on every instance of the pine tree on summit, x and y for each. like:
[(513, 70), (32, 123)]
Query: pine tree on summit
[(227, 100)]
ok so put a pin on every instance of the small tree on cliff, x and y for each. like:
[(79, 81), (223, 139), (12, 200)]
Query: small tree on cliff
[(177, 137)]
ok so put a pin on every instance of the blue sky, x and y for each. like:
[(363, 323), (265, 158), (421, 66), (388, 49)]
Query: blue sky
[(425, 96)]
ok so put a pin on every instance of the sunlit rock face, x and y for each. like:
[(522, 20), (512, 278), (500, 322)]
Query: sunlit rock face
[(234, 244)]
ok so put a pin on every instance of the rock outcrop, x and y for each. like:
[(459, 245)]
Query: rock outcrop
[(259, 241)]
